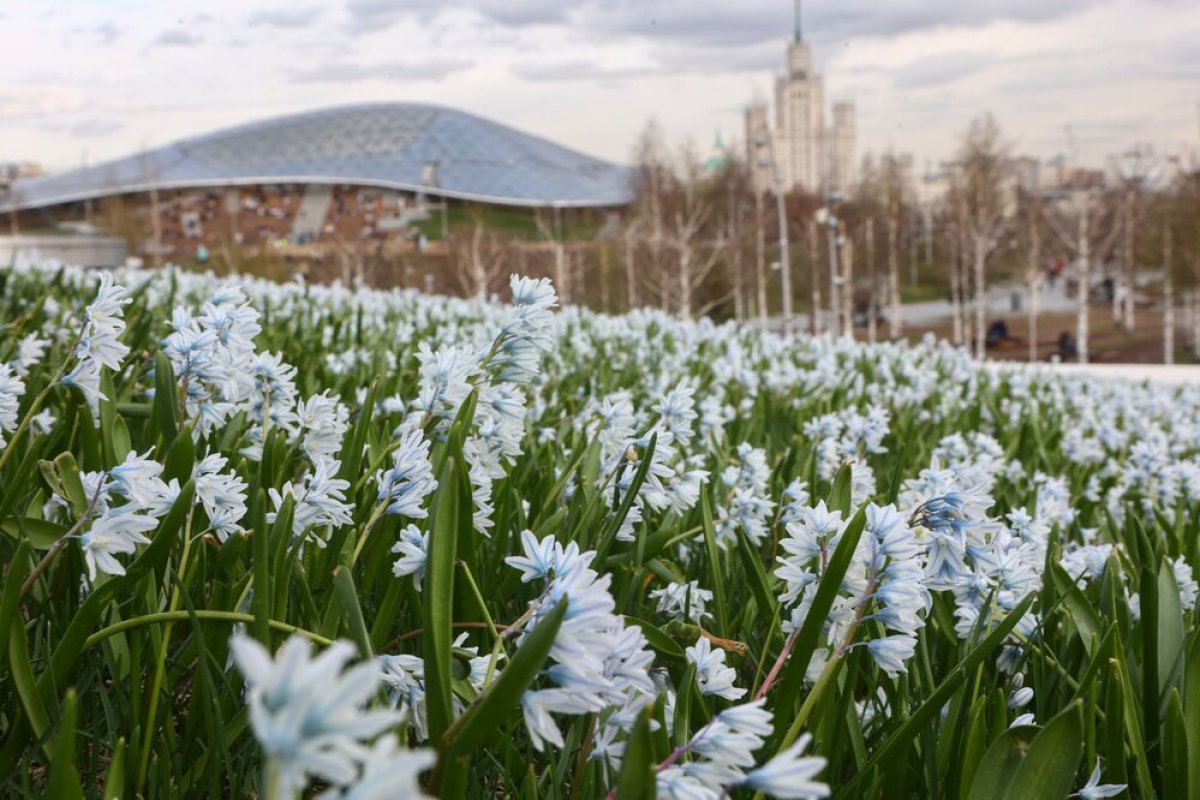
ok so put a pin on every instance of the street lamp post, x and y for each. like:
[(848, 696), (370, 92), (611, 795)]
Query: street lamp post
[(785, 264), (825, 217)]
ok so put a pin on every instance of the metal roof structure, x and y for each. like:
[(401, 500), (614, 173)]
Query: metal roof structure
[(406, 146)]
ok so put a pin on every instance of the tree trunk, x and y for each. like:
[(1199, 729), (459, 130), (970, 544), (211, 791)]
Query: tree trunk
[(760, 258), (1130, 268), (1085, 267), (835, 285), (956, 289), (814, 259), (847, 325), (894, 321), (872, 287), (604, 281), (685, 282), (980, 251), (562, 277), (1035, 298), (630, 273), (1168, 301), (1194, 322)]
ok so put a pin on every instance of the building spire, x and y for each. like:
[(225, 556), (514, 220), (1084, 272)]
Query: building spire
[(798, 34)]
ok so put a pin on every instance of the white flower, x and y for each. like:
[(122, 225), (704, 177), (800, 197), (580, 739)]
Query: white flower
[(712, 676), (114, 532), (389, 772), (1094, 790), (414, 548), (308, 714), (890, 652), (790, 774), (683, 600), (410, 480), (11, 389)]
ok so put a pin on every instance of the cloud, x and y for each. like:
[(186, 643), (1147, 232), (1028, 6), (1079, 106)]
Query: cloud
[(377, 15), (721, 23), (87, 128), (175, 37), (670, 61), (107, 32), (939, 69), (284, 17), (347, 72), (576, 70)]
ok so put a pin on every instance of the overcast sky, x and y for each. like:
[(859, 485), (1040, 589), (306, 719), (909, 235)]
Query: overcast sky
[(113, 76)]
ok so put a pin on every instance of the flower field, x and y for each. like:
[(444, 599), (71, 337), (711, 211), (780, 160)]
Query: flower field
[(288, 540)]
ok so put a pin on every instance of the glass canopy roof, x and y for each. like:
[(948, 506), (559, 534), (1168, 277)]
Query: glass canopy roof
[(420, 148)]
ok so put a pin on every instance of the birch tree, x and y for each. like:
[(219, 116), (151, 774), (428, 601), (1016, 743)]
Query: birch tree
[(978, 189)]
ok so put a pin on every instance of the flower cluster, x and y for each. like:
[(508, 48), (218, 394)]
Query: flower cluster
[(310, 716), (601, 664), (99, 344)]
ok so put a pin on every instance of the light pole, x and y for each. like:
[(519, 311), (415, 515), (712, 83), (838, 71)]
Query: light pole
[(826, 218), (785, 265)]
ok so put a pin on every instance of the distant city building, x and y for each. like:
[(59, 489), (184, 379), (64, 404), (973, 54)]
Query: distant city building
[(843, 147), (11, 171), (1025, 171), (810, 154), (718, 157)]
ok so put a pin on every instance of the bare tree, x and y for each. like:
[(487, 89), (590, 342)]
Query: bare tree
[(654, 181), (980, 203), (549, 227), (893, 194), (478, 257), (1034, 275), (1082, 222), (1134, 169)]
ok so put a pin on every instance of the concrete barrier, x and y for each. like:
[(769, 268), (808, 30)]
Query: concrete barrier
[(1160, 374), (84, 250)]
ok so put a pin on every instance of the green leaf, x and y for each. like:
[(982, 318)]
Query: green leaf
[(756, 575), (683, 705), (1086, 620), (1048, 771), (973, 748), (63, 779), (492, 708), (352, 447), (181, 457), (10, 595), (636, 781), (1191, 714), (72, 484), (166, 404), (114, 776), (657, 640), (809, 637), (715, 563), (1170, 629), (995, 772), (481, 722), (932, 706), (65, 658), (352, 615), (1175, 748), (40, 534), (618, 517), (438, 605), (21, 675), (840, 495)]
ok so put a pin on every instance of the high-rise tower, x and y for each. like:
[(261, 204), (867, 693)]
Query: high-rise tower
[(809, 154)]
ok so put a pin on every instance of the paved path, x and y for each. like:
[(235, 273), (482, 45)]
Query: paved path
[(1159, 374)]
